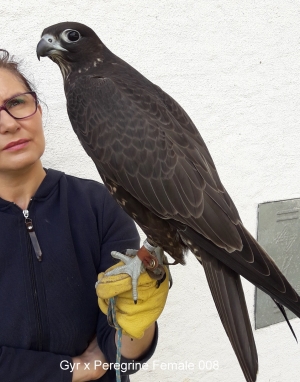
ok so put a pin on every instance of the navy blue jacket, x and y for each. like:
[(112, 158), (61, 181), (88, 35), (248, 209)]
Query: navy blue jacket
[(48, 309)]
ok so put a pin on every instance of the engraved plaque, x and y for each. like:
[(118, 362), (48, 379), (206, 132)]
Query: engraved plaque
[(279, 235)]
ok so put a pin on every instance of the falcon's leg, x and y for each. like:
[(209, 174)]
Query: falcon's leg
[(137, 261)]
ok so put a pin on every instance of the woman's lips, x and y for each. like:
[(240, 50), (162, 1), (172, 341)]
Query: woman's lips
[(16, 145)]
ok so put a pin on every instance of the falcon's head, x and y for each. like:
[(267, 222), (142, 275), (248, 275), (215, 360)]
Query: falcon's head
[(70, 45)]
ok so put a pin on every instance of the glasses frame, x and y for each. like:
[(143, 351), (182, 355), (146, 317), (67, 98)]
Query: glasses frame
[(3, 106)]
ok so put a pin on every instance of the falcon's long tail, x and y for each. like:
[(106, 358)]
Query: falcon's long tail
[(253, 263), (222, 271), (228, 294)]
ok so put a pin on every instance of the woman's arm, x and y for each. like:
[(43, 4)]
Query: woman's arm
[(88, 366), (119, 233), (30, 365), (133, 348)]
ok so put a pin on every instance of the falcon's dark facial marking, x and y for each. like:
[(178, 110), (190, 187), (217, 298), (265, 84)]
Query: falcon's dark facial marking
[(156, 165)]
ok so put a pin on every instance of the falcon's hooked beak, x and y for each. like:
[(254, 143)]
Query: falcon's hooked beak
[(48, 45)]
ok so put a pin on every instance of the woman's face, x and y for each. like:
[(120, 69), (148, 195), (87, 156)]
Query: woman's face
[(29, 130)]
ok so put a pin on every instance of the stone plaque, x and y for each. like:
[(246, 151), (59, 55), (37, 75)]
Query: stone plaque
[(279, 235)]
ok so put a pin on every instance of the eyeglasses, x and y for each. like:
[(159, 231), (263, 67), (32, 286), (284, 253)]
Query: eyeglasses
[(21, 106)]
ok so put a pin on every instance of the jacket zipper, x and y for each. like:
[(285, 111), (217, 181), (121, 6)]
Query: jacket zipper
[(32, 235), (38, 253)]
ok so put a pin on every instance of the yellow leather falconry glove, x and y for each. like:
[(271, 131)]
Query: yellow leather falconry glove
[(133, 318)]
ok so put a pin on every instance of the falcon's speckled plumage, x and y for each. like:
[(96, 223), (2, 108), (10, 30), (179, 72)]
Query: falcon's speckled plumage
[(153, 160)]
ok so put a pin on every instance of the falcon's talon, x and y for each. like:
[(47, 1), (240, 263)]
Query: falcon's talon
[(133, 267)]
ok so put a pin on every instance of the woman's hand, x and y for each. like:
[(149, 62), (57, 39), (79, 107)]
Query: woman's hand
[(88, 366)]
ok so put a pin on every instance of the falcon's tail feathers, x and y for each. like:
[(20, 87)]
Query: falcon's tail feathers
[(227, 292), (283, 312), (253, 263)]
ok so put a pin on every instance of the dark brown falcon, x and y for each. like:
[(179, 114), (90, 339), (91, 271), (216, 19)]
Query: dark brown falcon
[(153, 160)]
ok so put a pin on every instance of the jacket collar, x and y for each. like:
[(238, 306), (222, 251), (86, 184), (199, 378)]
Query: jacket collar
[(46, 188)]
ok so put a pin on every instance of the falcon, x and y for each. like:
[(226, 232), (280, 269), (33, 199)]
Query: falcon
[(154, 162)]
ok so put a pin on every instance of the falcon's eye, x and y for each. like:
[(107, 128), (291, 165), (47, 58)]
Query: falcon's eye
[(71, 35)]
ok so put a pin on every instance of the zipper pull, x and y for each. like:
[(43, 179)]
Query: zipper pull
[(32, 235)]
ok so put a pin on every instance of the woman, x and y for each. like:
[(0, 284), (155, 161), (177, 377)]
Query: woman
[(57, 233)]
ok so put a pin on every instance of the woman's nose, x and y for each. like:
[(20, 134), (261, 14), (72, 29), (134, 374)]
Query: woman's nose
[(8, 123)]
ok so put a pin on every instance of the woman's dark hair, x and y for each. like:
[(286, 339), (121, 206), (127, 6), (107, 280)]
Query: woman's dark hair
[(8, 62)]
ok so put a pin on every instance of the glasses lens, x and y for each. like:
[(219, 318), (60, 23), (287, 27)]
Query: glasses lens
[(22, 106)]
